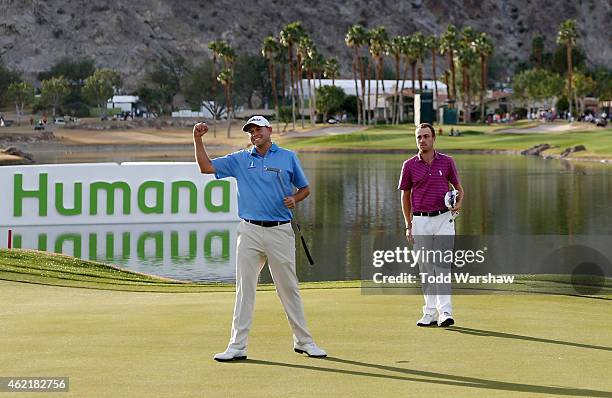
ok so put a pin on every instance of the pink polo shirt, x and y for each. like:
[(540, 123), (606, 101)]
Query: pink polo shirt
[(428, 182)]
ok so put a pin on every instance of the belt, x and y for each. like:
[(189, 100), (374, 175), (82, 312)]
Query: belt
[(267, 223), (429, 213)]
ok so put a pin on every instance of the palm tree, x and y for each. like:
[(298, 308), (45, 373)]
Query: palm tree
[(378, 45), (568, 36), (281, 59), (406, 49), (363, 58), (216, 47), (484, 48), (433, 44), (331, 69), (447, 82), (319, 65), (310, 67), (411, 56), (290, 35), (354, 39), (229, 59), (467, 57), (368, 72), (226, 79), (418, 44), (448, 45), (269, 49), (305, 44), (394, 50)]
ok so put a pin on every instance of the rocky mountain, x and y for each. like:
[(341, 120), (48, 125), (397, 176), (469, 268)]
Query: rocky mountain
[(128, 35)]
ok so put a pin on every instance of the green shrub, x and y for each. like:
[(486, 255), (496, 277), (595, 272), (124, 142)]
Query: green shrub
[(77, 109)]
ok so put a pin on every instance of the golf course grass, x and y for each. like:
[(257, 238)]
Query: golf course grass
[(137, 342), (598, 142)]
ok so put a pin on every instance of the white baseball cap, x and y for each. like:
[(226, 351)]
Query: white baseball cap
[(256, 120), (450, 199)]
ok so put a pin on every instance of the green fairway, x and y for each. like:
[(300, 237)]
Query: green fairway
[(474, 138), (42, 268), (151, 344), (142, 343)]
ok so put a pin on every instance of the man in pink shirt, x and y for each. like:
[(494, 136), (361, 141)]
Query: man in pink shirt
[(425, 179)]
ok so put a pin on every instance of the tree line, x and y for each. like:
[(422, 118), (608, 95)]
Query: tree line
[(291, 57), (67, 85), (541, 78)]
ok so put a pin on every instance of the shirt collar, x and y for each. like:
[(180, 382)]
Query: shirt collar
[(273, 148), (421, 159)]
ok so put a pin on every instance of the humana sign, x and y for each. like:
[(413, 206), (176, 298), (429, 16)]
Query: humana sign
[(113, 193)]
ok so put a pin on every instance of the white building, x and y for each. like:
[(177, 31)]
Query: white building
[(205, 111), (348, 85), (127, 103)]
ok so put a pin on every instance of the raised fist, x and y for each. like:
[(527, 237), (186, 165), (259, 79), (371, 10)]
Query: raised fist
[(200, 129)]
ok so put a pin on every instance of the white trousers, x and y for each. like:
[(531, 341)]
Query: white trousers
[(436, 234), (277, 245)]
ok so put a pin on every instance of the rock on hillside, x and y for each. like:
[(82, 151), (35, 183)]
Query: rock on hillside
[(129, 35)]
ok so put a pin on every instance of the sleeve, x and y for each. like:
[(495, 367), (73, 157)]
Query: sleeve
[(225, 166), (298, 178), (453, 176), (405, 181)]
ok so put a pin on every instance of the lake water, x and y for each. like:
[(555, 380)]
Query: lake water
[(352, 196)]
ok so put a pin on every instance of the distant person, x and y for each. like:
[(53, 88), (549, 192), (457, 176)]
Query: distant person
[(424, 181), (265, 232)]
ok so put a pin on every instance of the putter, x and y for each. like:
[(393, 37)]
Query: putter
[(297, 224)]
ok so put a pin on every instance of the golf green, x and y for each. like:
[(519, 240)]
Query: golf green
[(126, 343)]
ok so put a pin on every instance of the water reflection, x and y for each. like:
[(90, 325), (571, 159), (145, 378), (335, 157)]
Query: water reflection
[(355, 195), (184, 251)]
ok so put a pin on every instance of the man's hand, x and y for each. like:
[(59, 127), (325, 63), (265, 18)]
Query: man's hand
[(409, 236), (457, 205), (289, 202), (459, 201), (199, 130)]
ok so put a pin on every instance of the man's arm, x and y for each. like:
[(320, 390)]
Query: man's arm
[(204, 163), (454, 180), (407, 210), (300, 195)]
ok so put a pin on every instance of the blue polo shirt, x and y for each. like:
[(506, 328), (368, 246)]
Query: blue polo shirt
[(260, 196)]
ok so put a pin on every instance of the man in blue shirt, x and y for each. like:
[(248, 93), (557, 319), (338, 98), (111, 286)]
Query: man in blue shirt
[(265, 232)]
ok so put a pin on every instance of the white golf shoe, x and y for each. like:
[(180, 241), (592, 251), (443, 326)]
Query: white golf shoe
[(231, 354), (309, 349), (446, 320), (427, 320)]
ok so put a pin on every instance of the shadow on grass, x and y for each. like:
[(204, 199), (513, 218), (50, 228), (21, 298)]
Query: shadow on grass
[(419, 376), (490, 333)]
